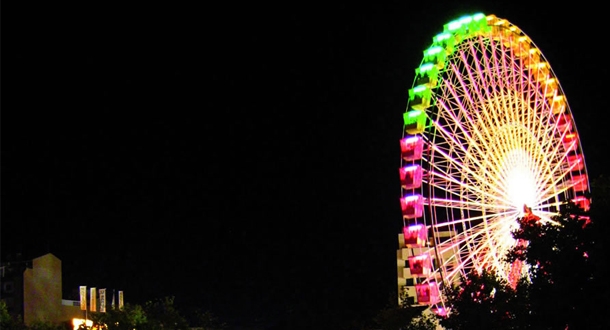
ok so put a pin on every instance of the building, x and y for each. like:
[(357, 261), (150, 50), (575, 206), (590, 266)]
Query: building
[(32, 291), (416, 265)]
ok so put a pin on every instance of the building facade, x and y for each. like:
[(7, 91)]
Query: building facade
[(32, 291)]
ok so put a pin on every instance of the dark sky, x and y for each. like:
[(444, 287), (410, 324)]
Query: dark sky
[(241, 157)]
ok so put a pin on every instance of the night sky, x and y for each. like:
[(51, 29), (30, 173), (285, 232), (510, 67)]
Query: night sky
[(242, 157)]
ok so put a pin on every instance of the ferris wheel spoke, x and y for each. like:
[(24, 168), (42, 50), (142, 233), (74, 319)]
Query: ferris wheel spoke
[(499, 135), (557, 150), (466, 247), (485, 120), (462, 204), (560, 183), (467, 89), (450, 115), (474, 219), (478, 240), (462, 157), (447, 178), (461, 189)]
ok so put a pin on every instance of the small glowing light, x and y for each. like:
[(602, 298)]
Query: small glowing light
[(414, 113), (412, 139), (465, 19), (76, 322), (420, 88), (442, 36), (426, 67), (412, 198), (478, 16), (433, 50), (410, 168), (453, 25)]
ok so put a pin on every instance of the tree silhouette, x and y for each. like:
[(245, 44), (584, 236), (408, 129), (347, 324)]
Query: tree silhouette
[(562, 256), (481, 301)]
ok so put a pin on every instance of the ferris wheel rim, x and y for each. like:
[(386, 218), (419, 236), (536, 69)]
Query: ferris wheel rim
[(455, 33)]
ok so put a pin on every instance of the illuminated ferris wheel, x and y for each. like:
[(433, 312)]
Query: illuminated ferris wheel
[(488, 134)]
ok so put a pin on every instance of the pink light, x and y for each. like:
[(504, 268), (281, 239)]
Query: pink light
[(570, 142), (411, 177), (412, 206), (563, 122), (415, 235), (427, 293), (440, 311), (582, 202), (412, 148), (579, 183), (420, 265), (575, 162)]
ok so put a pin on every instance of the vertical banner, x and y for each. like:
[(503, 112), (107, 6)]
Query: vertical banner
[(102, 300), (83, 298), (93, 300), (120, 299)]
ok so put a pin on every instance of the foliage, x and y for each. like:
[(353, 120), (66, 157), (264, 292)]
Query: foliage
[(157, 314), (206, 320), (130, 317), (565, 284), (6, 321), (481, 301), (405, 317), (46, 325), (162, 314), (562, 256)]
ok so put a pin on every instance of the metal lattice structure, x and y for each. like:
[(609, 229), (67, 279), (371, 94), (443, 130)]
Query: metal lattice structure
[(488, 132)]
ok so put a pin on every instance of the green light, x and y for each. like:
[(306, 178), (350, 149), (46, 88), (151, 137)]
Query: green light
[(433, 50), (415, 121), (413, 113), (419, 89), (465, 19), (425, 67), (453, 25), (441, 36), (478, 16)]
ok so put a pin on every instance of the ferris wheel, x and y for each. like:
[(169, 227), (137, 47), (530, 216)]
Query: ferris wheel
[(488, 135)]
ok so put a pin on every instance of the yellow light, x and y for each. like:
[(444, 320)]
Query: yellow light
[(77, 322)]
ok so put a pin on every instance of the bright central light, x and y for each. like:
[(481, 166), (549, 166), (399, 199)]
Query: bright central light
[(520, 180)]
